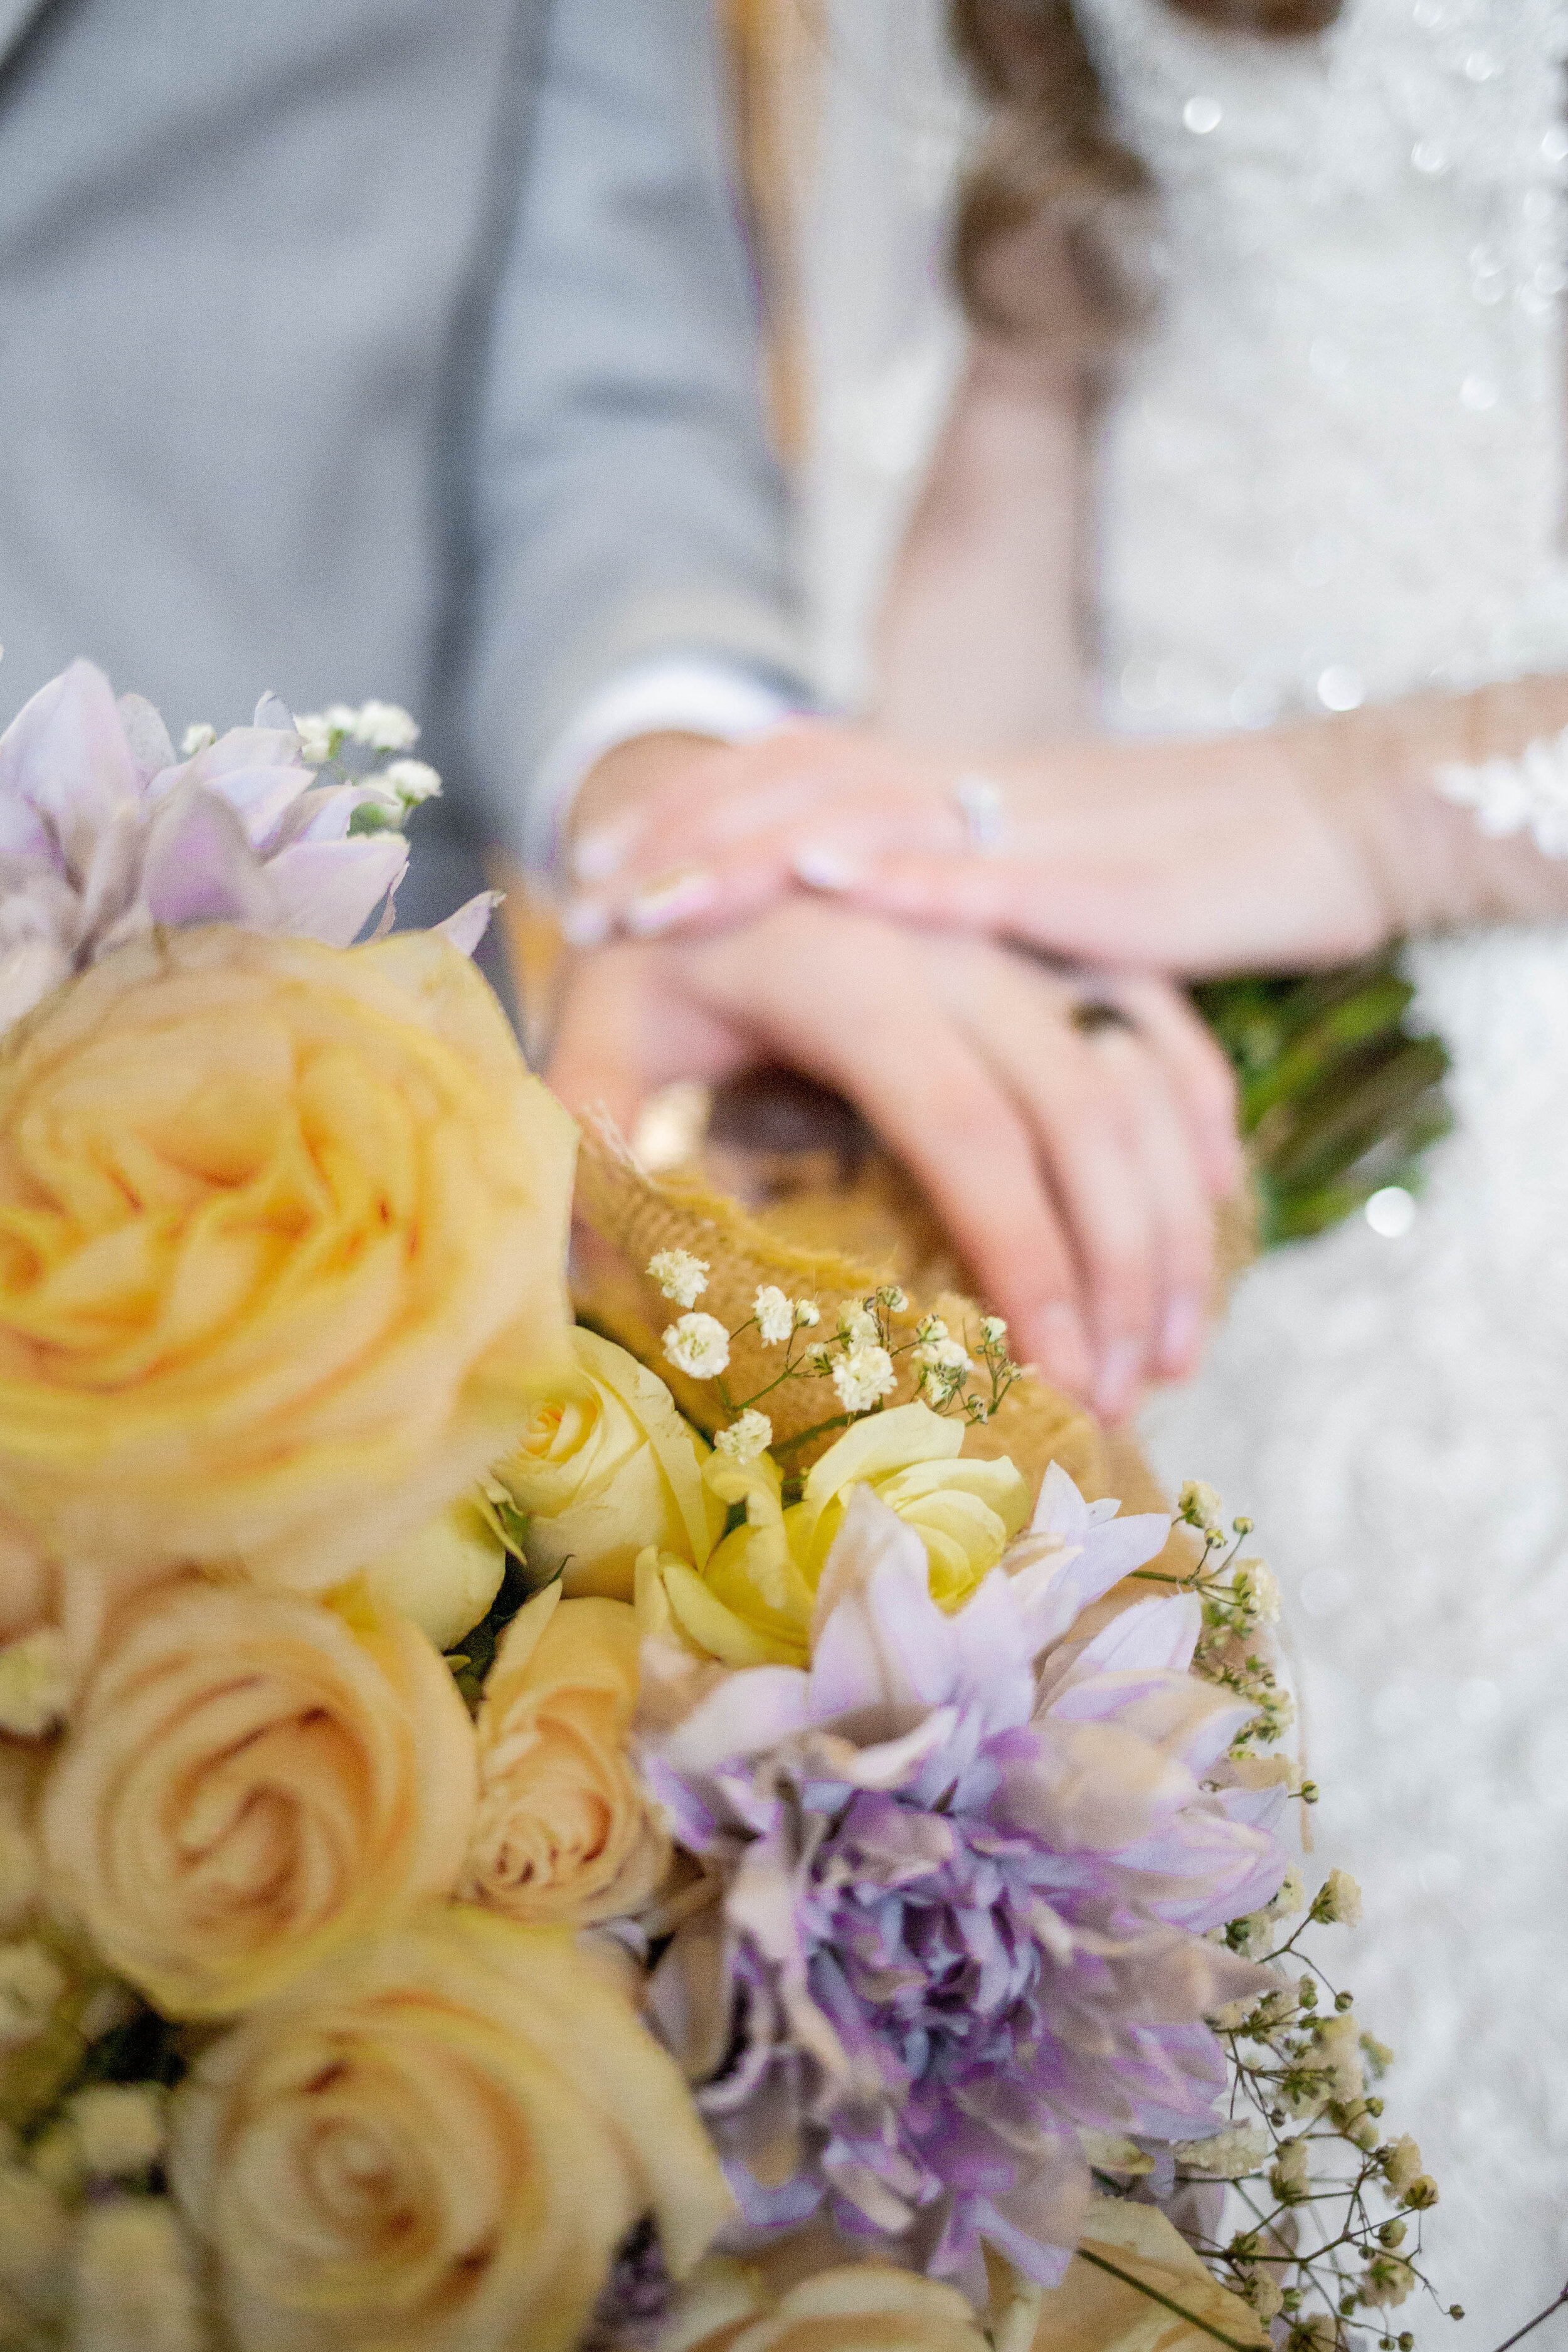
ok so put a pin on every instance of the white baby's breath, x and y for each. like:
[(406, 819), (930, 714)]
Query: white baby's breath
[(776, 1315), (412, 781), (1338, 1901), (1258, 1590), (317, 738), (198, 736), (698, 1344), (1229, 2155), (863, 1376), (1290, 2177), (745, 1439), (384, 727), (679, 1275), (807, 1313), (1199, 1503), (857, 1327)]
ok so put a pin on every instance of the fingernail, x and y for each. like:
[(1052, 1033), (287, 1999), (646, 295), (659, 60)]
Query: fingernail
[(1180, 1332), (1119, 1367), (1061, 1351), (670, 901), (584, 924), (821, 867), (602, 853)]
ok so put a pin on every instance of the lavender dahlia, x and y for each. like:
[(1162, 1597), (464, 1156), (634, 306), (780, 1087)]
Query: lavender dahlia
[(966, 1864)]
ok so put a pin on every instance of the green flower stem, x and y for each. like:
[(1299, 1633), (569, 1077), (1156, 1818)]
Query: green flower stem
[(818, 1429), (1153, 2294)]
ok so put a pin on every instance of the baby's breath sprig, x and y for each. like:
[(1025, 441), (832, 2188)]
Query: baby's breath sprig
[(1240, 1599), (860, 1355), (368, 744), (1330, 2221)]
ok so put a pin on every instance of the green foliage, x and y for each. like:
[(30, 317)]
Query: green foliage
[(1340, 1094)]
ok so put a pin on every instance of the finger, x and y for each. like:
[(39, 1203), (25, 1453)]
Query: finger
[(1198, 1070), (869, 1024), (1077, 1095), (740, 869), (1181, 1212), (1126, 912), (727, 792)]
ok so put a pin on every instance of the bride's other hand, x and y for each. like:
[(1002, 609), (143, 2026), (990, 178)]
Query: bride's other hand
[(1193, 857), (1074, 1157)]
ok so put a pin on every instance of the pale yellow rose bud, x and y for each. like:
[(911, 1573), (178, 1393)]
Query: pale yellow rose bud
[(760, 1585), (435, 2144), (249, 1781), (564, 1832), (606, 1466), (444, 1575), (282, 1252)]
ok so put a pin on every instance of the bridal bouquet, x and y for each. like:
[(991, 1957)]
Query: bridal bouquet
[(512, 1841)]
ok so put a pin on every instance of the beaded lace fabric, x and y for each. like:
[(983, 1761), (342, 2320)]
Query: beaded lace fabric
[(1333, 472)]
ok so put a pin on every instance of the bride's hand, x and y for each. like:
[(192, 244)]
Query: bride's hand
[(1188, 857), (1074, 1162)]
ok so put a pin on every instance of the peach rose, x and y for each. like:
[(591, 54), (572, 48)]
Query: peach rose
[(282, 1237), (855, 2307), (607, 1465), (248, 1781), (565, 1834), (435, 2144)]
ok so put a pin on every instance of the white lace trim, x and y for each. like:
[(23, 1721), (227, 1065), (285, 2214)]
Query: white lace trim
[(1529, 794)]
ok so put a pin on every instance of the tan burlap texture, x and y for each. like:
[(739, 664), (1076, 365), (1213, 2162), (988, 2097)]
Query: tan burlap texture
[(833, 1239)]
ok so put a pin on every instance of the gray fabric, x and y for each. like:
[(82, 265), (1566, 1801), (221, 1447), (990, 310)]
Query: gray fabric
[(392, 347)]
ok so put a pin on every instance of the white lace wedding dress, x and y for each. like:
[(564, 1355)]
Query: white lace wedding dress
[(1334, 470)]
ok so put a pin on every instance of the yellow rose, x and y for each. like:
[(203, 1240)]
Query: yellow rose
[(607, 1465), (563, 1832), (249, 1780), (282, 1233), (435, 2144), (754, 1600), (445, 1575), (853, 2307)]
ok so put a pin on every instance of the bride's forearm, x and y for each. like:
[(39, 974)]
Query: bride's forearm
[(977, 640), (1449, 839)]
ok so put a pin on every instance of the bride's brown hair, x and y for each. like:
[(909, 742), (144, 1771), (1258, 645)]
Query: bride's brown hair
[(1052, 177)]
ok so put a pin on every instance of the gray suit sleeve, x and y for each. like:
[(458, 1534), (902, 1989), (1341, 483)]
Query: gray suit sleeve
[(627, 505)]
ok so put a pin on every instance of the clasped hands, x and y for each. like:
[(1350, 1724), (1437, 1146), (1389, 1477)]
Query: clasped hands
[(819, 898)]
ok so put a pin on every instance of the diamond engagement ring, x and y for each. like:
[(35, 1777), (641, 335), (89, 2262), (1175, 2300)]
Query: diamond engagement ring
[(980, 802)]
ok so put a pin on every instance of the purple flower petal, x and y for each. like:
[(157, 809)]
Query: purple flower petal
[(468, 926), (199, 867), (330, 891)]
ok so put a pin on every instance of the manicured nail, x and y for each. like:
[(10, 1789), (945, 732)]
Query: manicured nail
[(603, 852), (1181, 1331), (1061, 1351), (670, 901), (1116, 1386), (584, 924), (821, 867)]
